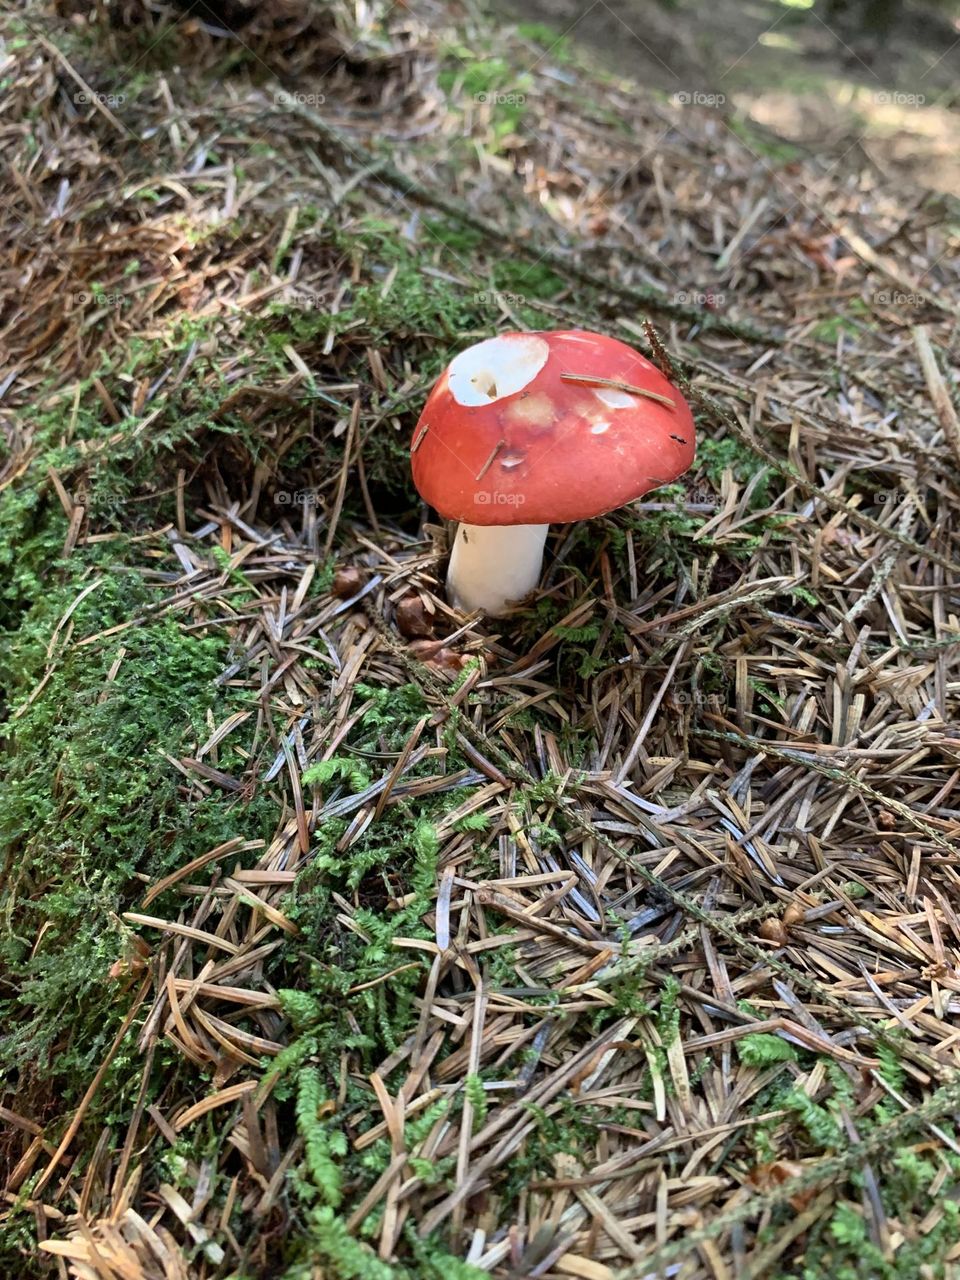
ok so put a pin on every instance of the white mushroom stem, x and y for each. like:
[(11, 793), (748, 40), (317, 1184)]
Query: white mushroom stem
[(494, 566)]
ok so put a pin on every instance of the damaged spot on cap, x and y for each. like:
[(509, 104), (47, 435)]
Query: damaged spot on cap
[(532, 411), (496, 368), (614, 399), (599, 428), (513, 459), (485, 383)]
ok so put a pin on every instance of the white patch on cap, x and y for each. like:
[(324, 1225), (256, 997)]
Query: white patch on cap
[(535, 409), (599, 428), (496, 368), (615, 399)]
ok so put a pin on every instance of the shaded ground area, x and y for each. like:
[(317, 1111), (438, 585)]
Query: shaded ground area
[(345, 936), (876, 80)]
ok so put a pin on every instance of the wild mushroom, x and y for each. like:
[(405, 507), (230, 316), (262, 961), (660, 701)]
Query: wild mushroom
[(530, 429)]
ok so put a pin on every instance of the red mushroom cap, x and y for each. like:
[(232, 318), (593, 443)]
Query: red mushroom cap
[(505, 438)]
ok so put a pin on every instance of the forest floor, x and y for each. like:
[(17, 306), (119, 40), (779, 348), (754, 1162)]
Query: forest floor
[(347, 936)]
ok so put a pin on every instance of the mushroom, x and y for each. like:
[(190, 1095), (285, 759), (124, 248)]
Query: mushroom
[(529, 429)]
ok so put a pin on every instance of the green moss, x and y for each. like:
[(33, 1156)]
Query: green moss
[(760, 143), (768, 697), (716, 456), (550, 39), (476, 76), (397, 857), (91, 806), (326, 1247), (761, 1050), (829, 330), (566, 1128), (840, 1243), (668, 1012), (453, 235), (522, 280), (491, 83)]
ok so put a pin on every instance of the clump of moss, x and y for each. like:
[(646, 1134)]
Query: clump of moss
[(92, 805), (840, 1243)]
